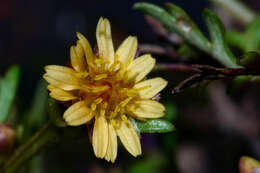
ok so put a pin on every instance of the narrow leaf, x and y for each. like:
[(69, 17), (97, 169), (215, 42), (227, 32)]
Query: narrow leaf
[(252, 36), (236, 39), (155, 126), (8, 89), (176, 20), (220, 48)]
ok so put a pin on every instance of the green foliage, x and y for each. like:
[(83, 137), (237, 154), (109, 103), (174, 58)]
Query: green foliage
[(8, 89), (55, 113), (250, 60), (176, 20), (217, 35), (155, 126), (171, 111), (187, 51), (247, 41), (151, 164), (35, 116)]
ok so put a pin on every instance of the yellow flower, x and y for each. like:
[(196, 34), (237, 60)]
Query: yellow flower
[(108, 87)]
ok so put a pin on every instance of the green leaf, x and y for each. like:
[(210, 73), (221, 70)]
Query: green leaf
[(56, 113), (252, 36), (155, 126), (236, 39), (176, 20), (247, 41), (8, 89), (217, 34)]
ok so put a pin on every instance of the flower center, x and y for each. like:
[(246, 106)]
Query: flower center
[(107, 92)]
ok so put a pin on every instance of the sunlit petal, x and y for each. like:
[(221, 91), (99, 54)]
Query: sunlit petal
[(149, 88), (100, 136), (127, 50), (78, 114), (104, 41), (112, 144), (87, 48), (140, 67), (60, 94), (129, 138), (61, 77), (146, 109), (77, 58)]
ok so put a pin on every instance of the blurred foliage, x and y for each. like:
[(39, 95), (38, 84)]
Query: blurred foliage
[(155, 163), (176, 20), (247, 41), (35, 116), (8, 88)]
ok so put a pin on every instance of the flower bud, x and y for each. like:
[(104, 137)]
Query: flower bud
[(7, 138), (248, 165)]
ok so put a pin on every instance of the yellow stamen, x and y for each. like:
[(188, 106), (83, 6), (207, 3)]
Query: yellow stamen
[(124, 118), (93, 106), (114, 123), (100, 76), (98, 100)]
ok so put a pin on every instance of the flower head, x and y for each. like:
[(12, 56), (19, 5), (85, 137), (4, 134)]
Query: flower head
[(107, 88)]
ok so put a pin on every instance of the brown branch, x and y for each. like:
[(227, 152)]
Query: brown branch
[(205, 73), (176, 68)]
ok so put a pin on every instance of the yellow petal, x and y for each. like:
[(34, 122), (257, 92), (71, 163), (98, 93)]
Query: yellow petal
[(146, 109), (61, 77), (87, 48), (77, 58), (140, 67), (127, 50), (112, 144), (60, 94), (149, 88), (78, 114), (100, 136), (129, 138), (104, 41)]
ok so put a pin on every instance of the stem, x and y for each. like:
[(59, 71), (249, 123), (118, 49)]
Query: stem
[(239, 10), (47, 135)]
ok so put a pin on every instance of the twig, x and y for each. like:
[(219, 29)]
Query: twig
[(176, 68), (206, 73)]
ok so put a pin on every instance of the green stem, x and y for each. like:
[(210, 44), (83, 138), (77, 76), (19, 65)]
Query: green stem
[(238, 10), (47, 135)]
